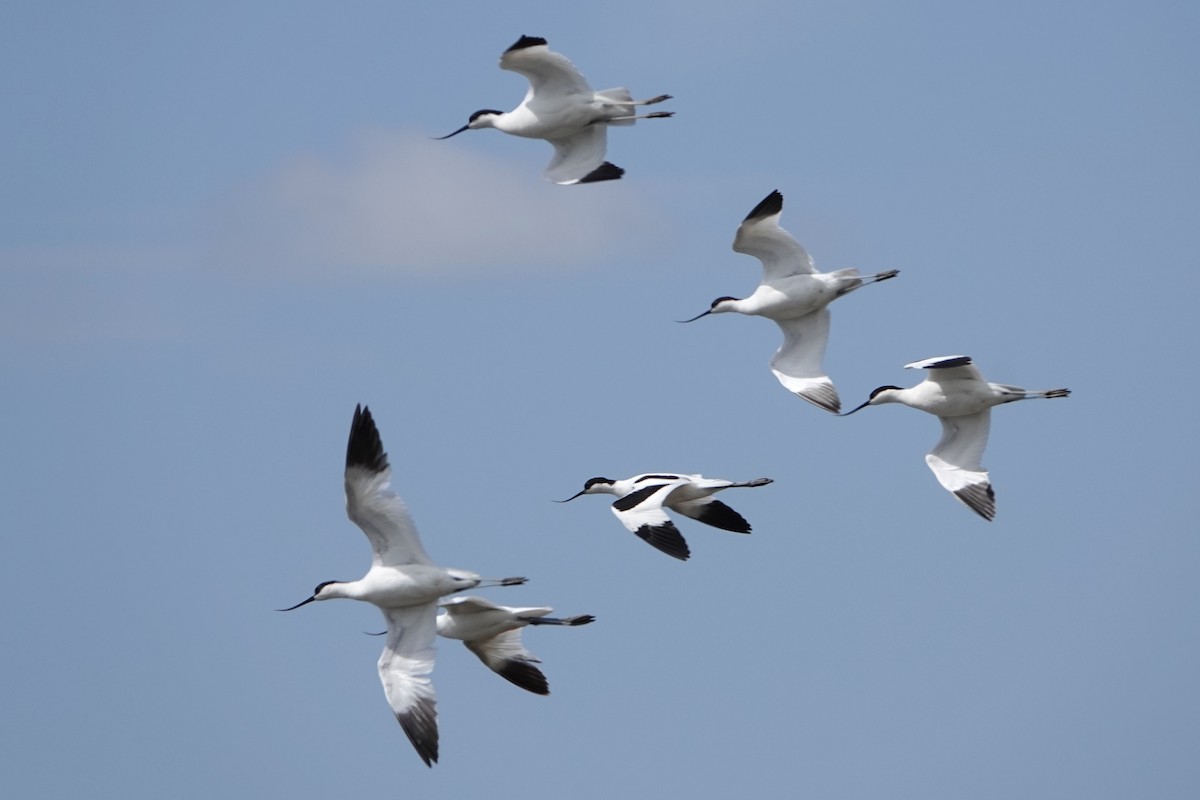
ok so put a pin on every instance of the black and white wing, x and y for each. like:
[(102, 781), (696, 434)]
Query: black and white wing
[(760, 236), (504, 655), (798, 361), (550, 74), (957, 459), (945, 369), (579, 158), (641, 511), (380, 513), (404, 669)]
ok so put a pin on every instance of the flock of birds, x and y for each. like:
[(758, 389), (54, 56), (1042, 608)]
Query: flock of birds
[(408, 587)]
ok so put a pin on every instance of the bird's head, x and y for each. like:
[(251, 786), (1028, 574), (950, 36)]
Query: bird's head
[(884, 394), (324, 591), (718, 306), (592, 486), (483, 118)]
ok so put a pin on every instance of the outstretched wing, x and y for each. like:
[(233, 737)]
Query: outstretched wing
[(404, 669), (957, 458), (641, 511), (713, 512), (579, 158), (760, 236), (507, 657), (380, 513), (797, 362), (550, 74)]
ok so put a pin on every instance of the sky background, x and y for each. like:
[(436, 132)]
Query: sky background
[(224, 224)]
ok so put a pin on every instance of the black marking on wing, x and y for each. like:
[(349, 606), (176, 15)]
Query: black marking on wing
[(822, 396), (719, 515), (666, 538), (420, 725), (960, 361), (605, 172), (525, 675), (633, 499), (771, 205), (657, 478), (526, 41), (365, 448), (980, 498)]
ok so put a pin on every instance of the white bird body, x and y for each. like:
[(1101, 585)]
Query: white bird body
[(643, 499), (492, 633), (563, 109), (403, 582), (955, 391), (796, 297)]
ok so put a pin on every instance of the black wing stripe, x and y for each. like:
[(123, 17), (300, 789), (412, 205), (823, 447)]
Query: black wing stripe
[(635, 498)]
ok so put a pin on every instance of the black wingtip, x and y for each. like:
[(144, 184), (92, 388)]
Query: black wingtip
[(719, 515), (666, 538), (526, 41), (420, 726), (980, 498), (604, 172), (365, 448), (526, 675), (771, 205)]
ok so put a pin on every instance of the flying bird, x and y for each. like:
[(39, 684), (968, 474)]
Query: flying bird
[(403, 582), (493, 633), (562, 108), (643, 499), (955, 392), (796, 297)]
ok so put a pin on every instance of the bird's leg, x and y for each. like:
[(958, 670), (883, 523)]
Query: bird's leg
[(652, 115)]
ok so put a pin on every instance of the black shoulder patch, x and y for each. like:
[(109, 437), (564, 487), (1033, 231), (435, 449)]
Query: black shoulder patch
[(604, 172), (657, 478), (666, 538), (771, 205), (526, 41), (946, 363), (635, 498), (365, 449), (420, 725), (525, 675), (719, 515)]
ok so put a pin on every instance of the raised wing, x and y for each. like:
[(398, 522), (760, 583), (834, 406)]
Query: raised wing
[(404, 670), (641, 511), (957, 459), (946, 369), (760, 236), (380, 513), (797, 362), (580, 158), (507, 657), (549, 73)]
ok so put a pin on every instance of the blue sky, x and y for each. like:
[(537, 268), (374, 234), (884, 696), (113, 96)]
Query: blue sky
[(224, 224)]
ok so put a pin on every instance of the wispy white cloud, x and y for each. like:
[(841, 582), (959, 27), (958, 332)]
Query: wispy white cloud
[(401, 202)]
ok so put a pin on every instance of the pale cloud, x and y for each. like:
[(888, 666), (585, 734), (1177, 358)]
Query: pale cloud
[(404, 203)]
